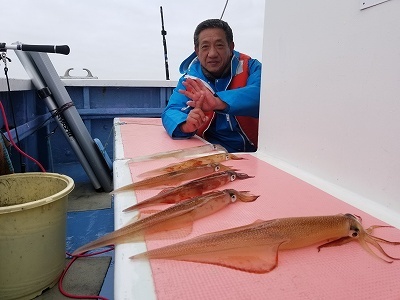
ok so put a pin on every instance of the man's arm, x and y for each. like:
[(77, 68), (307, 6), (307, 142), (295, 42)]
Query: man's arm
[(245, 101), (179, 120)]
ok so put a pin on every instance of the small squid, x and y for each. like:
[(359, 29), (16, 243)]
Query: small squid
[(181, 153), (194, 162), (190, 189), (173, 218), (254, 248), (173, 178)]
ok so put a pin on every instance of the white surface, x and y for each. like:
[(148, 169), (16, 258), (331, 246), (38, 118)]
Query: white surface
[(373, 208), (132, 278), (330, 94)]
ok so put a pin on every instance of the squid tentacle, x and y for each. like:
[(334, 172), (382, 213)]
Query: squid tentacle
[(374, 241), (368, 240), (245, 196), (378, 239)]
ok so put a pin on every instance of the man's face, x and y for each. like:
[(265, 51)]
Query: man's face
[(213, 50)]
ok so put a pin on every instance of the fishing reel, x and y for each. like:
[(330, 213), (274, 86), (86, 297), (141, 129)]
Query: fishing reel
[(3, 47), (3, 55), (5, 59)]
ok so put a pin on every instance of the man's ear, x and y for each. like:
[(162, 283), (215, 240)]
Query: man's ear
[(232, 46)]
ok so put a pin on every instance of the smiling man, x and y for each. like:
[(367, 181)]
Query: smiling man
[(218, 96)]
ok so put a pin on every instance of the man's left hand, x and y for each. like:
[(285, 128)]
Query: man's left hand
[(195, 89)]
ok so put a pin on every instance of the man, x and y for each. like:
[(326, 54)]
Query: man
[(218, 96)]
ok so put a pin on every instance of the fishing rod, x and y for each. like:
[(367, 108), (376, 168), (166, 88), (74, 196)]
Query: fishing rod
[(164, 33), (62, 49), (223, 11)]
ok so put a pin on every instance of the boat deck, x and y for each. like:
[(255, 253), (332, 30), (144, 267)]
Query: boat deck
[(90, 215)]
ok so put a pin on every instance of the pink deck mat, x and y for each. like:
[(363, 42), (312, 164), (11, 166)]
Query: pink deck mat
[(341, 272)]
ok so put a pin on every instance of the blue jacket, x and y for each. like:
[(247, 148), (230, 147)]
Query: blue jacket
[(224, 130)]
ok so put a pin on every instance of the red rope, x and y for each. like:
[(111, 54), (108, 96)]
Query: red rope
[(74, 258), (12, 141)]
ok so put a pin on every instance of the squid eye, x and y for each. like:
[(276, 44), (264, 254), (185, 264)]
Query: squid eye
[(233, 198), (217, 168), (233, 177), (354, 233)]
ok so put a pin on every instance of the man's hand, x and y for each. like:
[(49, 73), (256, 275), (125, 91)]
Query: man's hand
[(195, 89), (196, 117)]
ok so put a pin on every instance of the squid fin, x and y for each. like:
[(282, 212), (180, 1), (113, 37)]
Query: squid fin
[(141, 205), (154, 172), (257, 259), (231, 230), (181, 153), (177, 227), (141, 214), (160, 155), (111, 238), (156, 200), (134, 219), (123, 189), (148, 212)]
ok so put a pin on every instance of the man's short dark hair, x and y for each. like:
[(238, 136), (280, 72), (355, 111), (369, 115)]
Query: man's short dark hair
[(213, 23)]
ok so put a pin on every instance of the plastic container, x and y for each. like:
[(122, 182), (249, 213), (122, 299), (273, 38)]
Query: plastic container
[(33, 211)]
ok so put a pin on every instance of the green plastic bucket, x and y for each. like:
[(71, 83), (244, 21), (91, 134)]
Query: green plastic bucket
[(33, 211)]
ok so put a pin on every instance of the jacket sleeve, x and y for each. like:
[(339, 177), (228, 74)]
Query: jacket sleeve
[(173, 115), (245, 101)]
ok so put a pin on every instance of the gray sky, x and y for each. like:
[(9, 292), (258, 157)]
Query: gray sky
[(122, 39)]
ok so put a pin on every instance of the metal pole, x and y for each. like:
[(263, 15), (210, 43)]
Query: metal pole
[(164, 33)]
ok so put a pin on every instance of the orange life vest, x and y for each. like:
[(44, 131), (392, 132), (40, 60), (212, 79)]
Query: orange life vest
[(248, 125)]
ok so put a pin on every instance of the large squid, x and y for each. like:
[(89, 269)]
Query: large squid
[(173, 218), (190, 189), (254, 247), (194, 162)]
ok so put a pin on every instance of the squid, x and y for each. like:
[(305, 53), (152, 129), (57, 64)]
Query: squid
[(180, 153), (254, 248), (173, 178), (190, 189), (194, 162), (174, 218)]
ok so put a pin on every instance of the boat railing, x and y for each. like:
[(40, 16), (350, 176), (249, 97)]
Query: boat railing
[(98, 102)]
